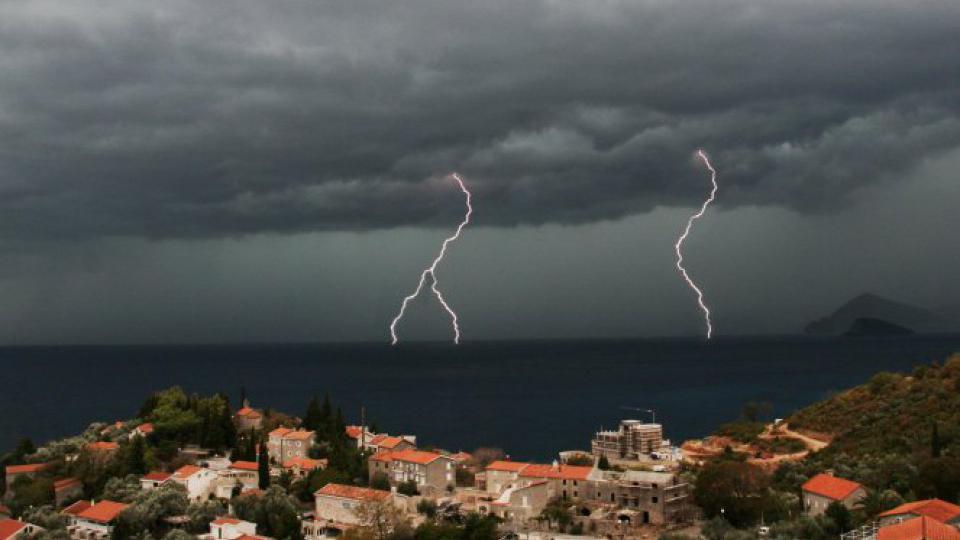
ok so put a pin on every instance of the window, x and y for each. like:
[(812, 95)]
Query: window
[(653, 499)]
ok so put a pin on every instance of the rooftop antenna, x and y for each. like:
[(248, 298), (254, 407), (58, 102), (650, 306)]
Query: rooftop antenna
[(653, 414)]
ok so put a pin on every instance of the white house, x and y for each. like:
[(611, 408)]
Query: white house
[(198, 481), (153, 480), (228, 528), (11, 529), (96, 520)]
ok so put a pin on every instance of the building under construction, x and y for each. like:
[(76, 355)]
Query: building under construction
[(633, 440)]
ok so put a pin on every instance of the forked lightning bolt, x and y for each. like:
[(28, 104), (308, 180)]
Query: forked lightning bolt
[(686, 232), (431, 271)]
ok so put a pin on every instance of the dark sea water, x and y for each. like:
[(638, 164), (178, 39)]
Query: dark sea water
[(531, 398)]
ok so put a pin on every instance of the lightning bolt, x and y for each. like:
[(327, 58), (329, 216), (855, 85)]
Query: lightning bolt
[(686, 232), (431, 271)]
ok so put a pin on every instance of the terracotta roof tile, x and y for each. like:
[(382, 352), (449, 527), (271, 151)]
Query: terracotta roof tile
[(507, 466), (29, 468), (245, 465), (247, 412), (415, 456), (66, 483), (563, 472), (76, 508), (831, 487), (933, 508), (103, 511), (353, 492), (9, 528), (299, 435), (390, 442), (306, 464), (921, 528), (156, 476), (187, 471), (226, 521), (102, 446)]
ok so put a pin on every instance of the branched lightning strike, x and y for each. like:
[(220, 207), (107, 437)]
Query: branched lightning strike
[(431, 271), (713, 192)]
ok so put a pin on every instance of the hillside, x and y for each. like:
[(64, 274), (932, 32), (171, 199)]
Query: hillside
[(899, 435), (891, 412), (871, 306)]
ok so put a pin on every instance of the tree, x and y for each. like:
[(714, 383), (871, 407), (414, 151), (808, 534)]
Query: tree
[(275, 513), (383, 520), (427, 507), (840, 515), (29, 492), (557, 512), (135, 461), (379, 480), (45, 516), (716, 528), (202, 513), (408, 488), (263, 466), (603, 463), (737, 490), (124, 490), (313, 419)]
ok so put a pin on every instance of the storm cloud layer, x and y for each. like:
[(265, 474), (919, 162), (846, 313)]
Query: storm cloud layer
[(212, 119)]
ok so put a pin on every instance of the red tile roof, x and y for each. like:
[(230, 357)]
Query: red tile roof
[(562, 472), (354, 432), (390, 442), (415, 456), (103, 511), (245, 465), (937, 509), (353, 492), (280, 432), (921, 528), (831, 487), (383, 455), (187, 471), (102, 446), (10, 528), (507, 466), (76, 508), (377, 439), (300, 435), (287, 433), (306, 464), (156, 476), (226, 521), (145, 428), (247, 412), (66, 483), (29, 468)]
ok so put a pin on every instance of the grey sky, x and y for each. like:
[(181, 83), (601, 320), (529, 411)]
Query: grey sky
[(229, 171)]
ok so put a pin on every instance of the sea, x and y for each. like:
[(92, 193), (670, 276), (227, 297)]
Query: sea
[(530, 398)]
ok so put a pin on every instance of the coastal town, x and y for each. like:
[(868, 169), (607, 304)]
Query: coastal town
[(255, 473)]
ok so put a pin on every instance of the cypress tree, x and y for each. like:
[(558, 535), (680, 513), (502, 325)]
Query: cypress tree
[(263, 466), (313, 419), (135, 461)]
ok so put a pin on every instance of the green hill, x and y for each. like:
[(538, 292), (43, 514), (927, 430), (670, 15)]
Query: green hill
[(897, 431)]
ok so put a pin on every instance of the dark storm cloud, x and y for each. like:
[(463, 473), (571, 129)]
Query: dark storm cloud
[(220, 118)]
